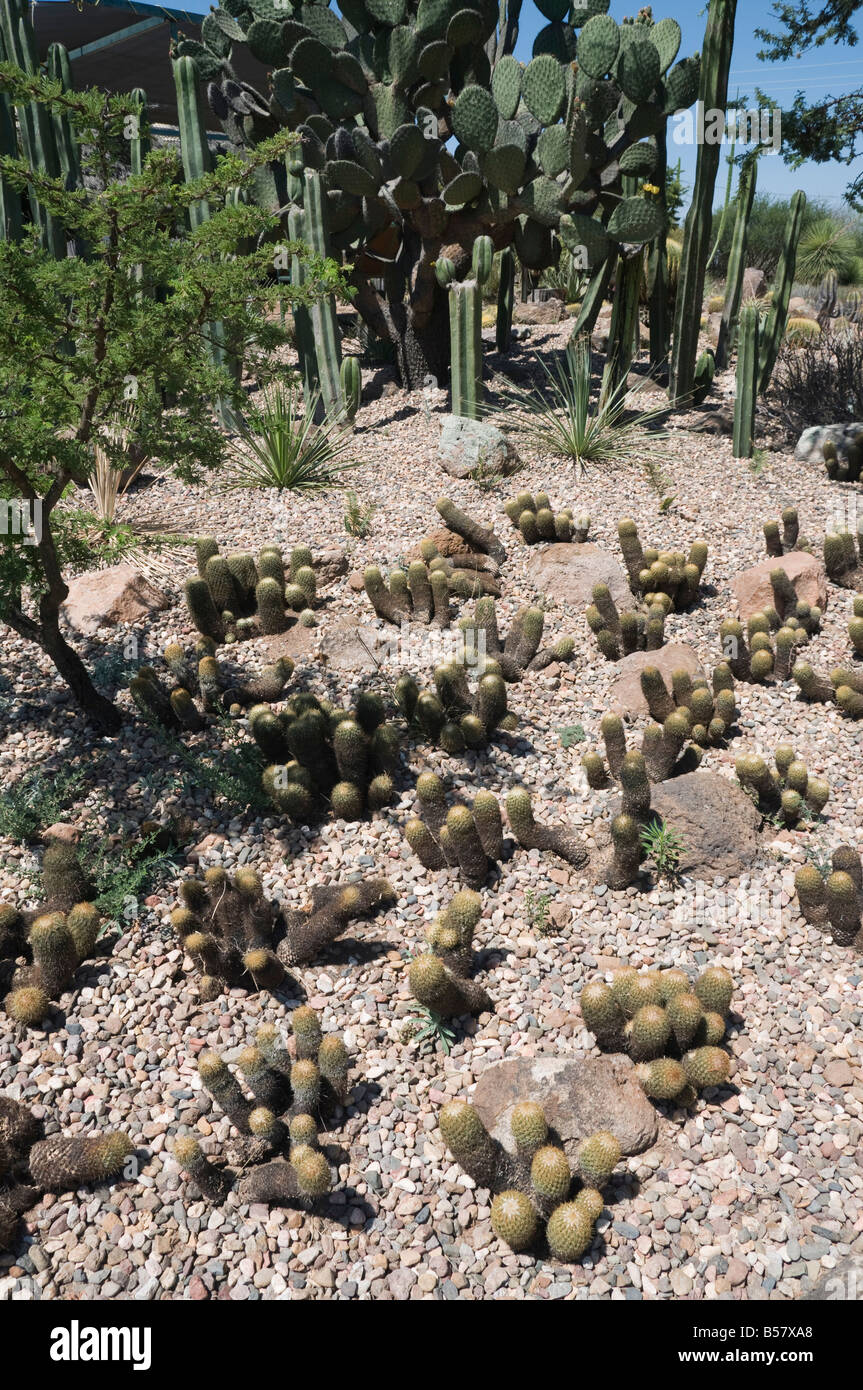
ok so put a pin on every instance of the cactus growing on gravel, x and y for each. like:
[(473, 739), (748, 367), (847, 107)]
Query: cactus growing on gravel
[(746, 392), (53, 943), (847, 466), (203, 686), (532, 1185), (277, 1157), (422, 593), (843, 557), (521, 650), (319, 757), (234, 597), (236, 937), (833, 900), (787, 793), (656, 575), (465, 326), (844, 688), (440, 979), (427, 134), (619, 634), (453, 717), (768, 646), (533, 516), (670, 1026), (783, 536)]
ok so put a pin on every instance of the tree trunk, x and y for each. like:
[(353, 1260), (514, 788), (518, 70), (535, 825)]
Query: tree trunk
[(98, 708)]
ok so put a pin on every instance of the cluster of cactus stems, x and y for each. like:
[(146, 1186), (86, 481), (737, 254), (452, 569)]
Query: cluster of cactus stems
[(786, 791), (533, 1185), (619, 867), (521, 650), (533, 516), (655, 575), (782, 535), (671, 1027), (31, 1165), (236, 937), (834, 902), (619, 634), (277, 1158), (847, 466), (203, 687), (452, 716), (478, 538), (441, 978), (53, 940), (843, 687), (320, 758), (421, 593), (843, 557), (736, 263), (234, 597), (767, 646), (465, 326), (471, 839)]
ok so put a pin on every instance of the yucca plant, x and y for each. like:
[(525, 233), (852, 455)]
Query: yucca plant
[(559, 416), (113, 458), (281, 445), (827, 244)]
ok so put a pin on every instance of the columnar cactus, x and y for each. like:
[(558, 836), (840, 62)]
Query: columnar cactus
[(534, 517), (454, 717), (833, 900), (236, 937), (619, 634), (465, 319), (788, 791), (505, 300), (440, 979), (656, 575), (671, 1027), (277, 1157), (422, 593), (217, 688), (773, 331), (521, 650), (736, 263), (783, 536), (767, 647), (746, 394)]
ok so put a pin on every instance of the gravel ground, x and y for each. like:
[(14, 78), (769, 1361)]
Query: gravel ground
[(756, 1194)]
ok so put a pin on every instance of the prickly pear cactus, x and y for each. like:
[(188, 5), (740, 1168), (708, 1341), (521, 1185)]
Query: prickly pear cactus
[(428, 133)]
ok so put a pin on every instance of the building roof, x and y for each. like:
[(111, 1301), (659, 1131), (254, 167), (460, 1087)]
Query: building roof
[(118, 45)]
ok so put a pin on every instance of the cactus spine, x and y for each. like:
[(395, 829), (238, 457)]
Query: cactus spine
[(736, 263), (774, 328), (712, 95), (747, 379)]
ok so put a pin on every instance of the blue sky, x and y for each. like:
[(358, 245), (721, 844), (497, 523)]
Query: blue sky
[(825, 70)]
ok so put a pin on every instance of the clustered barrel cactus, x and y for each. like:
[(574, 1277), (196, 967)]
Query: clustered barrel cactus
[(845, 466), (534, 517), (428, 134), (441, 978), (788, 791), (671, 1027), (521, 650), (619, 868), (834, 901), (843, 558), (421, 593), (235, 597), (236, 937), (454, 717), (470, 838), (531, 1177), (320, 758), (217, 688), (767, 647), (783, 536), (277, 1158), (53, 940), (31, 1165), (661, 575), (619, 634)]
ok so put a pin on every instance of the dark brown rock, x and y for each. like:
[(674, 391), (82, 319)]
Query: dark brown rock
[(579, 1095), (550, 311), (715, 819), (331, 564)]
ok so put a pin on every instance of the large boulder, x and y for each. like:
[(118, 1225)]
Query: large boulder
[(754, 283), (110, 597), (717, 822), (568, 571), (579, 1095), (348, 647), (625, 696), (753, 590), (810, 445), (468, 445)]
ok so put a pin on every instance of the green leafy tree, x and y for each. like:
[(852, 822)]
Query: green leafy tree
[(831, 128), (82, 337)]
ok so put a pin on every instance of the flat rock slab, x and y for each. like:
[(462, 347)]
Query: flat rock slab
[(296, 642), (348, 647), (579, 1095), (717, 822), (106, 598), (625, 696), (567, 571), (752, 587)]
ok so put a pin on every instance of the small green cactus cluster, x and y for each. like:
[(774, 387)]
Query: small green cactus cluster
[(521, 650), (788, 792), (619, 868), (478, 538), (843, 557), (671, 1028), (441, 978), (277, 1159), (421, 592), (452, 716), (236, 937), (470, 838), (783, 536), (661, 572), (665, 744), (321, 759), (19, 1130), (635, 630), (53, 940), (767, 647), (855, 627), (532, 515), (532, 1185), (234, 597), (216, 688), (844, 686), (834, 901), (847, 466)]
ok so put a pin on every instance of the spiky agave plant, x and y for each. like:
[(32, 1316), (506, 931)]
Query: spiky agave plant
[(285, 445), (559, 416)]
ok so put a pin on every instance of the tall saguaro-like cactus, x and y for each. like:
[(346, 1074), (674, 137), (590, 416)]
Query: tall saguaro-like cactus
[(324, 320), (505, 300), (774, 328), (712, 96), (736, 262), (747, 383), (11, 215), (37, 132), (465, 322)]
